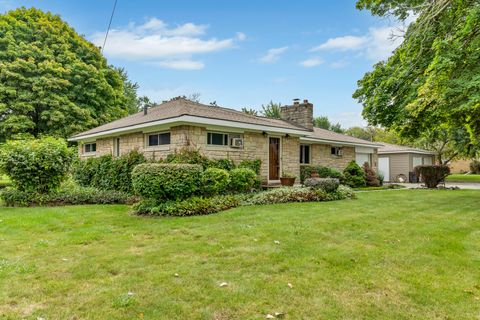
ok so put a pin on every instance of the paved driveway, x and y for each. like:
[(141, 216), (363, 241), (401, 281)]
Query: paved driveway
[(461, 185)]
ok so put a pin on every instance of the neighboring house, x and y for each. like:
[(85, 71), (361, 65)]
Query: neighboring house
[(460, 165), (396, 162), (282, 145)]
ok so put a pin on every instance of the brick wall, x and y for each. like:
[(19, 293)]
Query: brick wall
[(300, 114), (321, 155)]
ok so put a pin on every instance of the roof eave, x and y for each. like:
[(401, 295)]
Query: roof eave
[(336, 142)]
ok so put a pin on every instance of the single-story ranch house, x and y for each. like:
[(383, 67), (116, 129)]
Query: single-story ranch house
[(397, 163), (283, 145)]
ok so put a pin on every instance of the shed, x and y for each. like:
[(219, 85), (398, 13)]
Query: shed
[(396, 162)]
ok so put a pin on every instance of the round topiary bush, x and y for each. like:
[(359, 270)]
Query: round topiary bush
[(214, 181), (242, 180), (354, 175), (166, 181), (325, 184)]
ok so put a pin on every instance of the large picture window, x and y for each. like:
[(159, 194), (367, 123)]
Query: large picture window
[(158, 139), (89, 147), (217, 139), (304, 154)]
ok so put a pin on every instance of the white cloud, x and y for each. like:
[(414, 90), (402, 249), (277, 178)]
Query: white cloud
[(156, 42), (273, 55), (241, 36), (339, 64), (312, 62), (376, 45), (342, 43)]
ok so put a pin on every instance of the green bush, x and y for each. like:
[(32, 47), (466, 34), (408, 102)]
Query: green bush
[(166, 181), (81, 195), (323, 172), (432, 175), (255, 165), (325, 184), (342, 192), (354, 175), (475, 167), (214, 181), (242, 180), (188, 155), (225, 164), (188, 207), (36, 165), (107, 172), (287, 194), (371, 177)]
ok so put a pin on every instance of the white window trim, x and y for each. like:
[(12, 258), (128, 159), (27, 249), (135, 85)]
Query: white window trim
[(160, 146), (335, 155), (309, 154), (90, 153), (209, 145)]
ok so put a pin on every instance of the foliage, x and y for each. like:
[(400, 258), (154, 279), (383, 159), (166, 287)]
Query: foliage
[(226, 164), (432, 79), (188, 207), (166, 181), (188, 155), (324, 123), (107, 172), (323, 172), (254, 165), (380, 178), (354, 175), (288, 175), (271, 110), (371, 177), (36, 165), (375, 134), (325, 184), (214, 181), (475, 167), (250, 111), (53, 81), (242, 180), (432, 175)]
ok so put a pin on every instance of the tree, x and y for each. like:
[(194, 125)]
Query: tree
[(271, 110), (432, 80), (53, 81), (324, 123), (132, 101), (375, 134), (250, 111)]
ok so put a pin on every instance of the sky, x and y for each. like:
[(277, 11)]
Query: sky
[(239, 53)]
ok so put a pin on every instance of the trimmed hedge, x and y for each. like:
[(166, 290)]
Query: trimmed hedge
[(107, 172), (215, 181), (354, 175), (432, 175), (243, 180), (325, 184), (166, 181), (255, 165), (323, 172), (36, 165), (189, 207), (16, 198)]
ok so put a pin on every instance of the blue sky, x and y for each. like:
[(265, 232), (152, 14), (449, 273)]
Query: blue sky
[(238, 53)]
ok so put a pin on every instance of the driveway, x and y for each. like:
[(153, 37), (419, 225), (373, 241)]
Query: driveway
[(461, 185)]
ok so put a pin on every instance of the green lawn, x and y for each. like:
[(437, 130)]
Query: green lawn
[(405, 254), (458, 177)]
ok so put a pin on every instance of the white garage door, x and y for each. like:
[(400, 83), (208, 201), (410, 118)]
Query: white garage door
[(417, 161), (384, 167), (361, 158)]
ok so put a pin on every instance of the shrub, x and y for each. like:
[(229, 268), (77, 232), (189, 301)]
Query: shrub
[(323, 172), (189, 207), (81, 195), (342, 192), (36, 165), (214, 181), (475, 167), (325, 184), (354, 175), (432, 175), (287, 194), (188, 155), (167, 181), (380, 178), (371, 178), (255, 165), (242, 180), (108, 173), (225, 164)]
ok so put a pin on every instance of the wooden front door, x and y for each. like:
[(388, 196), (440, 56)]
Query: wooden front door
[(274, 159)]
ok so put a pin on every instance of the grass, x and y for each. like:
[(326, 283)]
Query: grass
[(407, 254), (384, 187), (459, 177)]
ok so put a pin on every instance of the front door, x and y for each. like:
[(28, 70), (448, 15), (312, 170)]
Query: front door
[(274, 159)]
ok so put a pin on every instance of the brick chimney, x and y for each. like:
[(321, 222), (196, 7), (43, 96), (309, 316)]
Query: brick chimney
[(300, 114)]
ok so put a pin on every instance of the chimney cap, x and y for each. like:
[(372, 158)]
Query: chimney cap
[(296, 101)]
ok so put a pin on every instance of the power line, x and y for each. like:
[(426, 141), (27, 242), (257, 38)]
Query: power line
[(109, 24)]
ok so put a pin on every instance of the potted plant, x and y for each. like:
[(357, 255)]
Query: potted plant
[(287, 179)]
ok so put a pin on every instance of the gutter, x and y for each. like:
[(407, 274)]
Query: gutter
[(336, 142)]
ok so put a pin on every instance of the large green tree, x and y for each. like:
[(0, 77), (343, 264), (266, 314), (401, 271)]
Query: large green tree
[(53, 81), (324, 122), (432, 80)]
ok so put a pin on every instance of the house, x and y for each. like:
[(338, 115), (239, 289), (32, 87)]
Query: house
[(283, 145), (397, 162)]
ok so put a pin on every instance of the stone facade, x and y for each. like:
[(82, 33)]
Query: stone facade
[(299, 113), (321, 155)]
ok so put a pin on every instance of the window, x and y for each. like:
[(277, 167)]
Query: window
[(158, 139), (361, 158), (336, 151), (218, 139), (304, 154), (116, 143), (90, 147)]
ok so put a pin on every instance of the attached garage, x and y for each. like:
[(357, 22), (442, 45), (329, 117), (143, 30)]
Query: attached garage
[(397, 162)]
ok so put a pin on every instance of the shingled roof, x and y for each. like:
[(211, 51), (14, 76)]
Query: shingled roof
[(331, 136), (386, 148), (178, 107)]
